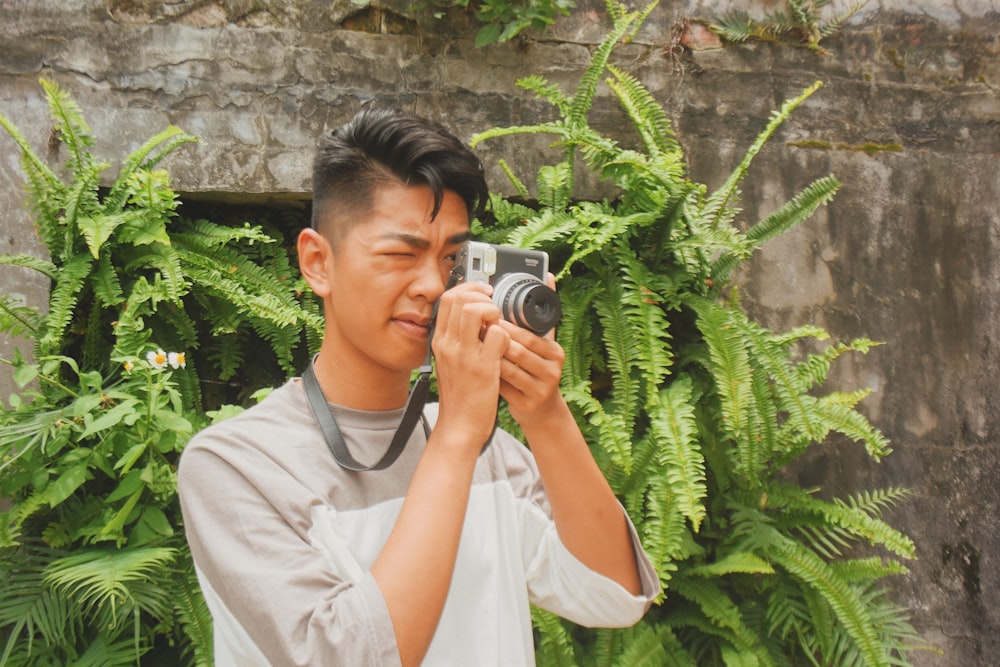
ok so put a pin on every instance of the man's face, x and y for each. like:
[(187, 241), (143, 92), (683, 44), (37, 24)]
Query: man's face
[(385, 275)]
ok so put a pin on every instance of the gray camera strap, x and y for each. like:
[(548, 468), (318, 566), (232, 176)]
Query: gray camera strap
[(335, 440)]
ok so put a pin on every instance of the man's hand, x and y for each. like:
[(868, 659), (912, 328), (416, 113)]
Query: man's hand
[(468, 351)]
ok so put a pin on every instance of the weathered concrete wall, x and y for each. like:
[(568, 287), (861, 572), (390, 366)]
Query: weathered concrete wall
[(905, 253)]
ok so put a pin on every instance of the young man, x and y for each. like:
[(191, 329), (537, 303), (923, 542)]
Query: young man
[(435, 558)]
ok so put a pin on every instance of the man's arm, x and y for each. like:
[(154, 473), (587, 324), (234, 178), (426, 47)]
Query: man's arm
[(415, 566), (588, 516)]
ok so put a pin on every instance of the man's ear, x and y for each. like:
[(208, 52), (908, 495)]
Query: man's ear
[(315, 254)]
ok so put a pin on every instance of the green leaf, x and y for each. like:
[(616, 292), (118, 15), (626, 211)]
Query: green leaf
[(108, 419), (66, 484)]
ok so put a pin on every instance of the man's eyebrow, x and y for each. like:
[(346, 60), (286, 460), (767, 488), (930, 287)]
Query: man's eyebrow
[(461, 237), (422, 243)]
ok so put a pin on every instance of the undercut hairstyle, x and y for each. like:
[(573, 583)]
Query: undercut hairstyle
[(386, 146)]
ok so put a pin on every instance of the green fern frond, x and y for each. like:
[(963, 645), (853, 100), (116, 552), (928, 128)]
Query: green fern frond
[(597, 228), (644, 308), (102, 580), (16, 318), (722, 612), (641, 646), (621, 348), (555, 127), (682, 463), (611, 436), (195, 618), (795, 211), (555, 186), (663, 529), (170, 276), (119, 193), (831, 414), (863, 570), (62, 301), (542, 228), (583, 99), (575, 331), (845, 602), (72, 128), (743, 562), (721, 197), (837, 21), (45, 185), (647, 115), (540, 86), (555, 646), (876, 501), (106, 285), (81, 198), (48, 269), (730, 365), (815, 368)]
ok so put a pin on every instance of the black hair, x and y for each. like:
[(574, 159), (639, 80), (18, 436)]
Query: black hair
[(380, 146)]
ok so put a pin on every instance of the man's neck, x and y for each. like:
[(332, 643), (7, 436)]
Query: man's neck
[(360, 389)]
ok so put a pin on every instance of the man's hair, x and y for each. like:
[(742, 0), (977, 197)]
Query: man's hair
[(383, 146)]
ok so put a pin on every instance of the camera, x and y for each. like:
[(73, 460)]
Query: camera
[(518, 278)]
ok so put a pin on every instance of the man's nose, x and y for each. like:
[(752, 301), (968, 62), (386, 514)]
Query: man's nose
[(430, 281)]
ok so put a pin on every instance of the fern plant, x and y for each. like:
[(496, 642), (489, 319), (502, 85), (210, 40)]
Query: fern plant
[(804, 24), (695, 411), (144, 308), (123, 264)]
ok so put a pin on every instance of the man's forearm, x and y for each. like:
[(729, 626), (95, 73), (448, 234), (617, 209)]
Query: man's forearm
[(588, 516), (415, 566)]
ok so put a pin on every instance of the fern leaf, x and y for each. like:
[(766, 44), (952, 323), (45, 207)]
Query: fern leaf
[(587, 88), (644, 307), (44, 179), (663, 528), (575, 330), (30, 262), (647, 115), (555, 646), (792, 213), (744, 562), (63, 300), (555, 186), (845, 602), (730, 365), (16, 318), (620, 346), (195, 618), (720, 198), (543, 89), (672, 420), (70, 124)]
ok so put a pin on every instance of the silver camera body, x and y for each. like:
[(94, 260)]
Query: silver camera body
[(518, 277)]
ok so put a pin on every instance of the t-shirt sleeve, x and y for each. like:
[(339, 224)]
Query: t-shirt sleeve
[(248, 523), (557, 580)]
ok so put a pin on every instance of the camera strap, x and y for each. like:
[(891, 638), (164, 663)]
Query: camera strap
[(413, 412)]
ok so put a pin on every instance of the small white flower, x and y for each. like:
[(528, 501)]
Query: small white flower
[(177, 360), (157, 359), (128, 366)]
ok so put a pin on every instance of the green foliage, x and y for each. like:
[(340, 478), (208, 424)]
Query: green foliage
[(695, 411), (93, 560), (802, 25), (502, 20), (123, 264)]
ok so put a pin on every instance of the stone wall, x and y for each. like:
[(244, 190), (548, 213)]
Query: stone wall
[(907, 119)]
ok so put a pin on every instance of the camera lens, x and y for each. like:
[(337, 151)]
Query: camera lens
[(527, 302)]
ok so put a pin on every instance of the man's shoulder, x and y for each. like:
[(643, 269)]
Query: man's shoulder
[(280, 410)]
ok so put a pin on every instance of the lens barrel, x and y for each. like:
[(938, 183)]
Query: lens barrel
[(527, 302)]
